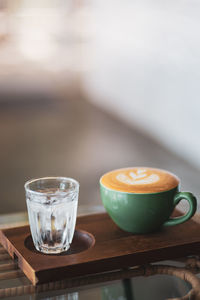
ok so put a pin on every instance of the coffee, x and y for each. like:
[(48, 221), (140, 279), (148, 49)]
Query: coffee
[(139, 180), (141, 200)]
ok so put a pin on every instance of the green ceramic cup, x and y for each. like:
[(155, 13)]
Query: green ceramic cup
[(142, 213)]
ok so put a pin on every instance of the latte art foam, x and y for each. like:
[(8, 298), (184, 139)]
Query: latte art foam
[(140, 180), (139, 177)]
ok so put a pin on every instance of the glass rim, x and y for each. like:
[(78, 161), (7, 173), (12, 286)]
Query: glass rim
[(69, 179)]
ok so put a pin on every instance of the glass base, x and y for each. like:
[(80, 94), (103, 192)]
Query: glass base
[(52, 250)]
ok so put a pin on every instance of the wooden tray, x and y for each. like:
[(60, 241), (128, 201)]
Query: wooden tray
[(99, 246)]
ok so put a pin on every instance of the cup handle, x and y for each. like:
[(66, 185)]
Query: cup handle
[(192, 209)]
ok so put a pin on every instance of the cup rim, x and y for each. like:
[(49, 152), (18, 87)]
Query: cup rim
[(28, 189), (135, 193)]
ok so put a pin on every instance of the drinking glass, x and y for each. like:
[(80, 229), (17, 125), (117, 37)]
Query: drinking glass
[(52, 208)]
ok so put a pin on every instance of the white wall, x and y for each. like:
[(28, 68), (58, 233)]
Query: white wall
[(144, 61)]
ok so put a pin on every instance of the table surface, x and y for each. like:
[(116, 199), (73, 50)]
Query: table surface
[(156, 287)]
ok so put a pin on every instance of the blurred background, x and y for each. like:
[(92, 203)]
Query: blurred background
[(87, 86)]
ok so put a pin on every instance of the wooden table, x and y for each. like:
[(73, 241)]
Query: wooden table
[(14, 285)]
